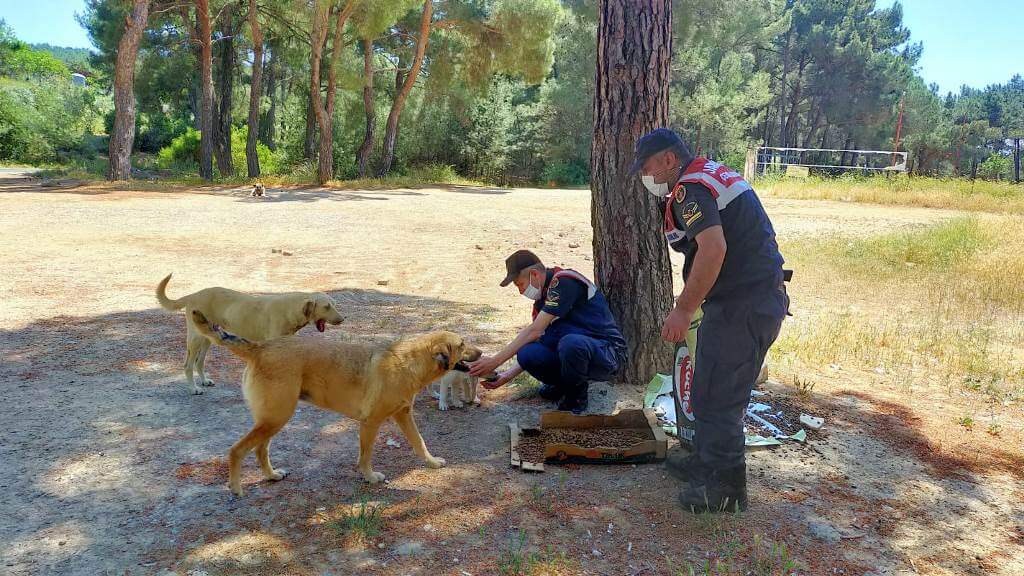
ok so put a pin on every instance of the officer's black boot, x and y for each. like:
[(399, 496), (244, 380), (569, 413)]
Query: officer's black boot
[(550, 393), (722, 491), (683, 466), (576, 400)]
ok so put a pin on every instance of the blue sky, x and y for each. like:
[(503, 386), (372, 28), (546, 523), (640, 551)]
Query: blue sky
[(965, 42)]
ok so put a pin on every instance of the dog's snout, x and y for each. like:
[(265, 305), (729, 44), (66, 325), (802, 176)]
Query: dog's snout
[(472, 354)]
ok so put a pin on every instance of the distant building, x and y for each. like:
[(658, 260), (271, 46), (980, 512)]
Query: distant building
[(77, 79)]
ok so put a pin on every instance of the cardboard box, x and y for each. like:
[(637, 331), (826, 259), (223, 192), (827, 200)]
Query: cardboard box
[(644, 421)]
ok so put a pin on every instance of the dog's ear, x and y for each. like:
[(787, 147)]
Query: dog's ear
[(308, 308)]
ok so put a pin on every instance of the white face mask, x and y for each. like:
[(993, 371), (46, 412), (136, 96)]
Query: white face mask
[(659, 190), (532, 292)]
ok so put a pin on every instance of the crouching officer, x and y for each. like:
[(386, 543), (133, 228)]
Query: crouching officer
[(573, 338), (733, 271)]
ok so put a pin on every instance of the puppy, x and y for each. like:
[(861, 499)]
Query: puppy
[(258, 190), (255, 318), (456, 388), (366, 382)]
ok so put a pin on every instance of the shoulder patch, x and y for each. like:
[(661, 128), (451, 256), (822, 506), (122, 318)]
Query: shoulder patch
[(680, 193), (553, 284), (692, 213)]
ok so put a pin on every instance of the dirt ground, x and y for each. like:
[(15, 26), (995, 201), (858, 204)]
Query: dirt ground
[(110, 466)]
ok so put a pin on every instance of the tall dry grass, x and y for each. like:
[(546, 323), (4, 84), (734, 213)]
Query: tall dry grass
[(943, 303), (901, 190)]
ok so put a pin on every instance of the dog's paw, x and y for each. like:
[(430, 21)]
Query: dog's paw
[(237, 490), (373, 477), (457, 404), (442, 406), (476, 400), (434, 462), (208, 382), (277, 475), (196, 390)]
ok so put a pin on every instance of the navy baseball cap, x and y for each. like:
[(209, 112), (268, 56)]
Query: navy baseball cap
[(519, 260), (649, 144)]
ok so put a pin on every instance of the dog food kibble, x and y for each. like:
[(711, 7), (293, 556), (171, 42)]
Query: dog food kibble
[(531, 448)]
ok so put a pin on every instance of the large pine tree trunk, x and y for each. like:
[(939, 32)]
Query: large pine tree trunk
[(123, 135), (252, 161), (631, 264), (226, 89), (206, 109), (363, 156), (391, 128)]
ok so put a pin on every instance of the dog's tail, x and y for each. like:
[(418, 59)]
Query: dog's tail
[(240, 346), (161, 296)]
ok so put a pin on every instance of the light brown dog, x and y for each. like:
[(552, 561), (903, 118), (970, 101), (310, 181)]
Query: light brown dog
[(255, 318), (368, 383)]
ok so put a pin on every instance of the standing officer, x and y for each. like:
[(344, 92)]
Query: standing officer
[(733, 271)]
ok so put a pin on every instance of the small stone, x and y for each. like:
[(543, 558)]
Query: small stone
[(285, 253), (410, 548), (479, 247), (275, 251), (382, 282), (824, 531), (574, 244), (381, 545)]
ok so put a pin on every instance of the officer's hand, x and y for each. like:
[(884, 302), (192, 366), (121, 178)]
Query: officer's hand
[(676, 325), (482, 367), (503, 378)]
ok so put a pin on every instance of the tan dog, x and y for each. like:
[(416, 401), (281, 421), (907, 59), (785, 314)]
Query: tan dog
[(255, 318), (456, 389), (258, 190), (365, 382)]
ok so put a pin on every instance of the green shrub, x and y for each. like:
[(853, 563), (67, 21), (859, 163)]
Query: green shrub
[(182, 153), (572, 173)]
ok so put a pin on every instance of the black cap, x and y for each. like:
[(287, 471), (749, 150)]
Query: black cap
[(520, 260), (653, 142)]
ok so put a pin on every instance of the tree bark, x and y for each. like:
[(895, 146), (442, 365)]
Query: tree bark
[(269, 124), (206, 80), (222, 130), (317, 38), (631, 264), (122, 136), (252, 160), (325, 112), (391, 128), (363, 155), (309, 143)]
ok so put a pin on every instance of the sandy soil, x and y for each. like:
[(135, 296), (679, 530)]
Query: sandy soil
[(110, 466)]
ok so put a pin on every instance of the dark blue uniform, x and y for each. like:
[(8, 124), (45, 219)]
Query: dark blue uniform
[(743, 312), (582, 344)]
